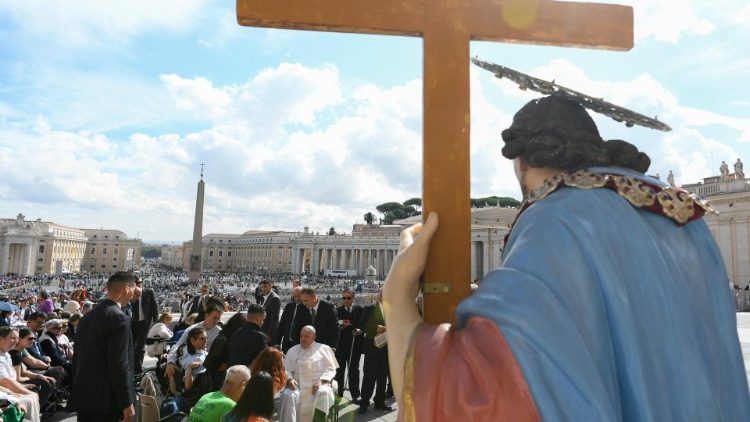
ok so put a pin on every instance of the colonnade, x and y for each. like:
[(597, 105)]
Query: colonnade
[(320, 258), (485, 256), (15, 257)]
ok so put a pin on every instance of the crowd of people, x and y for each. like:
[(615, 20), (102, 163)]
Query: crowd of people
[(302, 345)]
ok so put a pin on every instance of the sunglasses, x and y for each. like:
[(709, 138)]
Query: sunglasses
[(347, 298)]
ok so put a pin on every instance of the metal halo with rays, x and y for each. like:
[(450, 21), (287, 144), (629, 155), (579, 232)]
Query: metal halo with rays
[(619, 114)]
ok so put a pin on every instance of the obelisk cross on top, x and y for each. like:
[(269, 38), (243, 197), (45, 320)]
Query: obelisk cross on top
[(447, 26)]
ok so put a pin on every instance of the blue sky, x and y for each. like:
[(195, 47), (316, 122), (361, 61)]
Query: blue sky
[(107, 109)]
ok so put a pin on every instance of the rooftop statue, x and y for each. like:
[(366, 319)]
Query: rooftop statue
[(724, 170), (738, 172)]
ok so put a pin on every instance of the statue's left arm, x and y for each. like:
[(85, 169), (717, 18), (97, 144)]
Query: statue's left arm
[(463, 374)]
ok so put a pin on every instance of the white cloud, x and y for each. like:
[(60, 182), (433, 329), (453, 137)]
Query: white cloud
[(292, 147), (100, 22), (669, 20), (287, 149), (290, 93)]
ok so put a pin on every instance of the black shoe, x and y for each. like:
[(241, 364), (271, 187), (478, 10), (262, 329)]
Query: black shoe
[(356, 400), (362, 410), (383, 406)]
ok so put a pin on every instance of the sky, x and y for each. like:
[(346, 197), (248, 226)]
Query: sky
[(108, 108)]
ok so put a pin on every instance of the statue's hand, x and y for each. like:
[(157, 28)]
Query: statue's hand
[(403, 278)]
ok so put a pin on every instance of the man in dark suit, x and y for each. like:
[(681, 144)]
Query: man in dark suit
[(376, 359), (144, 314), (293, 315), (322, 317), (103, 388), (197, 305), (246, 343), (349, 349), (272, 304)]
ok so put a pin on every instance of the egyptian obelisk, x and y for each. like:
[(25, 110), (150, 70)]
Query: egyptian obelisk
[(195, 253)]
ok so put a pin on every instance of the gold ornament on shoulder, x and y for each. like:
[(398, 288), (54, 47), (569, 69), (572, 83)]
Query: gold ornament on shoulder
[(585, 179), (637, 193), (676, 205)]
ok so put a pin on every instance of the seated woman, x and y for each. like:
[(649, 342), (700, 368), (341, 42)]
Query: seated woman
[(196, 380), (271, 360), (65, 343), (48, 345), (218, 356), (72, 325), (256, 402), (156, 339), (43, 385)]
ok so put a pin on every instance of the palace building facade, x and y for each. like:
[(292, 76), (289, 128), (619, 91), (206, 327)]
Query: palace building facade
[(351, 254), (730, 197), (43, 247)]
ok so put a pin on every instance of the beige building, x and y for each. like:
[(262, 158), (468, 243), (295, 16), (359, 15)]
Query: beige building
[(731, 228), (111, 250), (171, 256), (349, 254), (38, 247), (43, 247)]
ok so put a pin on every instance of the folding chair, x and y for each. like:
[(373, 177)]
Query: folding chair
[(149, 409)]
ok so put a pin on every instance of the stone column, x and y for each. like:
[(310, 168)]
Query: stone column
[(315, 261), (473, 261), (362, 261), (485, 257), (4, 256), (387, 267), (25, 256)]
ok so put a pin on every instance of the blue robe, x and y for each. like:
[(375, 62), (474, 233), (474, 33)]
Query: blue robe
[(615, 313)]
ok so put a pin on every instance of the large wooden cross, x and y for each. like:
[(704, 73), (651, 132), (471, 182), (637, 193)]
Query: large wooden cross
[(447, 26)]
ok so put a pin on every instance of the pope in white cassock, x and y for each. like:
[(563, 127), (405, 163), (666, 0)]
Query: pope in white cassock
[(310, 370)]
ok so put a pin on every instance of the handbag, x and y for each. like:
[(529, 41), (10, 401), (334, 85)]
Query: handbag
[(12, 414)]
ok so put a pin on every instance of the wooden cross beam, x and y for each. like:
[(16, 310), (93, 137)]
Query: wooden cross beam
[(447, 26)]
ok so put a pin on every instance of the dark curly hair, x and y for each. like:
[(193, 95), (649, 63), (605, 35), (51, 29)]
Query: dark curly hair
[(557, 133)]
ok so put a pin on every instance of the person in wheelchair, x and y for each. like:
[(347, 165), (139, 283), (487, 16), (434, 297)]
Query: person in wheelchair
[(159, 335), (310, 369), (191, 380)]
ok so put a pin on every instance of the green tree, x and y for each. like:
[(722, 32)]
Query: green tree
[(369, 218), (331, 231), (494, 201), (151, 251), (415, 202)]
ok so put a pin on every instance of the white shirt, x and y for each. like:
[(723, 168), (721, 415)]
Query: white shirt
[(265, 297), (211, 334), (308, 366), (6, 366)]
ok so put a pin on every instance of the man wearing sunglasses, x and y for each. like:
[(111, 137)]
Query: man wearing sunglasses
[(349, 348)]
